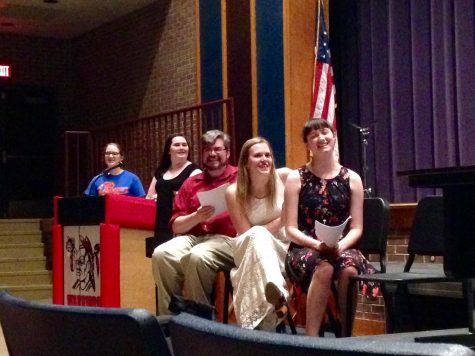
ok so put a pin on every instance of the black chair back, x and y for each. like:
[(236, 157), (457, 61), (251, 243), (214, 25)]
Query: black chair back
[(375, 229), (196, 336), (427, 233), (32, 328)]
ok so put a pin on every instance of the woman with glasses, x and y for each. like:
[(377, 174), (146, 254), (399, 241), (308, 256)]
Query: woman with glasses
[(174, 168), (114, 179)]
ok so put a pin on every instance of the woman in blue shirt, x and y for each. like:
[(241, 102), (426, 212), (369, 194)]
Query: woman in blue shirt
[(116, 180)]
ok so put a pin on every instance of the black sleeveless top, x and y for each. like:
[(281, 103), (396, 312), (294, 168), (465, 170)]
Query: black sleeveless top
[(166, 190)]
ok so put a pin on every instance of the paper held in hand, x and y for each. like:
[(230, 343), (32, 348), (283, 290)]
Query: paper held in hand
[(215, 198), (330, 234)]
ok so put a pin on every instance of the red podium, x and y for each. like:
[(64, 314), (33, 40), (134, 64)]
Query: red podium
[(99, 252)]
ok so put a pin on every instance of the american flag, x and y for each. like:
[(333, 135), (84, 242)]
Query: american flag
[(323, 99)]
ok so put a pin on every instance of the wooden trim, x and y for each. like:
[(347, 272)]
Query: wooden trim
[(254, 68), (299, 57), (287, 78), (198, 51), (224, 48)]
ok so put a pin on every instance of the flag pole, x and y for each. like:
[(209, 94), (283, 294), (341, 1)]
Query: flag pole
[(315, 49)]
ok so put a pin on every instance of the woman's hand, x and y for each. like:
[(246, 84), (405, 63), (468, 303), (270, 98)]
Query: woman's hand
[(324, 249)]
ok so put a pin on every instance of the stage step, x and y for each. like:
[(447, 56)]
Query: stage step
[(21, 250), (22, 260), (13, 225), (11, 264), (20, 236), (42, 293), (25, 278)]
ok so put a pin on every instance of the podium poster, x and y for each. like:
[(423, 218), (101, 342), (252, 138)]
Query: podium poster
[(82, 265), (99, 252)]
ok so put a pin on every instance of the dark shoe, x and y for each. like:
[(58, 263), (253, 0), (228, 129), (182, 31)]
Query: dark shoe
[(275, 297), (179, 304)]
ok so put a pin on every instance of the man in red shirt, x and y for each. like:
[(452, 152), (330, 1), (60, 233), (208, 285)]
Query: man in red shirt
[(189, 262)]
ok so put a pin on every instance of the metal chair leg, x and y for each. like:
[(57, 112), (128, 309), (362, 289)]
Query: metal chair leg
[(156, 300), (291, 323), (227, 292), (350, 303)]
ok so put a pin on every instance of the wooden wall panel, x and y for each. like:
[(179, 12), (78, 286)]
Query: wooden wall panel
[(299, 49)]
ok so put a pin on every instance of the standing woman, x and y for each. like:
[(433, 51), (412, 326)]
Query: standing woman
[(255, 204), (116, 180), (174, 168), (323, 190)]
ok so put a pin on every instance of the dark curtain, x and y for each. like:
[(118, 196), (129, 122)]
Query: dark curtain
[(406, 71)]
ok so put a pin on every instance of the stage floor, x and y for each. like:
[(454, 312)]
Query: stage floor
[(450, 336)]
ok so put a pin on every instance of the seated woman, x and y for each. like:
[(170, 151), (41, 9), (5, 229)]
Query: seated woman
[(323, 190), (255, 204), (174, 168), (116, 180)]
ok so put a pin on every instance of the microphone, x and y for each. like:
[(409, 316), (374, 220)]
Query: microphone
[(92, 185), (108, 169)]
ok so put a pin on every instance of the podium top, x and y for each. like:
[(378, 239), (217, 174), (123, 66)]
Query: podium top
[(440, 177), (125, 211)]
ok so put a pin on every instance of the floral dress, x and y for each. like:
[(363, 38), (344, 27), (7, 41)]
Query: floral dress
[(328, 201)]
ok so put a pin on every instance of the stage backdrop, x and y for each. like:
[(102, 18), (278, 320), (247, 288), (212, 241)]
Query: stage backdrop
[(405, 69)]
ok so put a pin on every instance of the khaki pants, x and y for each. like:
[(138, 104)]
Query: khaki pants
[(188, 265)]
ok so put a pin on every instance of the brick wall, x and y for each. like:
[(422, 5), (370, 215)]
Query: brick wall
[(136, 66)]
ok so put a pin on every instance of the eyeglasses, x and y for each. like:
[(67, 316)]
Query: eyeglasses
[(215, 149), (112, 153)]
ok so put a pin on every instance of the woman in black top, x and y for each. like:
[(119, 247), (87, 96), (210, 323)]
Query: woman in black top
[(174, 168)]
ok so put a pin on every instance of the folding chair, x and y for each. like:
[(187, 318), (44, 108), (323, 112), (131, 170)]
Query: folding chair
[(372, 242), (427, 239), (32, 328), (195, 336)]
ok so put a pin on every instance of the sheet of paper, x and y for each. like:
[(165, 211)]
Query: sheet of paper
[(215, 198), (330, 234)]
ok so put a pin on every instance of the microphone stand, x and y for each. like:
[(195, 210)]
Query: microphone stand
[(93, 183), (365, 132), (103, 173)]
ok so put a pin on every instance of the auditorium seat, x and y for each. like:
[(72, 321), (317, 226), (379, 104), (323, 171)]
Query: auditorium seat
[(196, 336), (32, 328)]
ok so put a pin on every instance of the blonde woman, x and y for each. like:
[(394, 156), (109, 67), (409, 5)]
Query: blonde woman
[(255, 205)]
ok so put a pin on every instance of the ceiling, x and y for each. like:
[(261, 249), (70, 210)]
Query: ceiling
[(62, 18)]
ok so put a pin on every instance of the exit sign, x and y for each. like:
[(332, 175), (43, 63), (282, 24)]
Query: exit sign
[(5, 71)]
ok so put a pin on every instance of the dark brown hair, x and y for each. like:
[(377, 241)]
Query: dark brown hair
[(313, 125), (166, 160)]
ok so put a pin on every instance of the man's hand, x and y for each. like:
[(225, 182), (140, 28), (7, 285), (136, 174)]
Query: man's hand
[(204, 213)]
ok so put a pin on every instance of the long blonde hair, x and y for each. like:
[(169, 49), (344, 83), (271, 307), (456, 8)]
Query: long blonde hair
[(243, 183)]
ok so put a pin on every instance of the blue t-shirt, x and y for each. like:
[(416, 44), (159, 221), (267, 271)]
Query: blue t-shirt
[(125, 183)]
